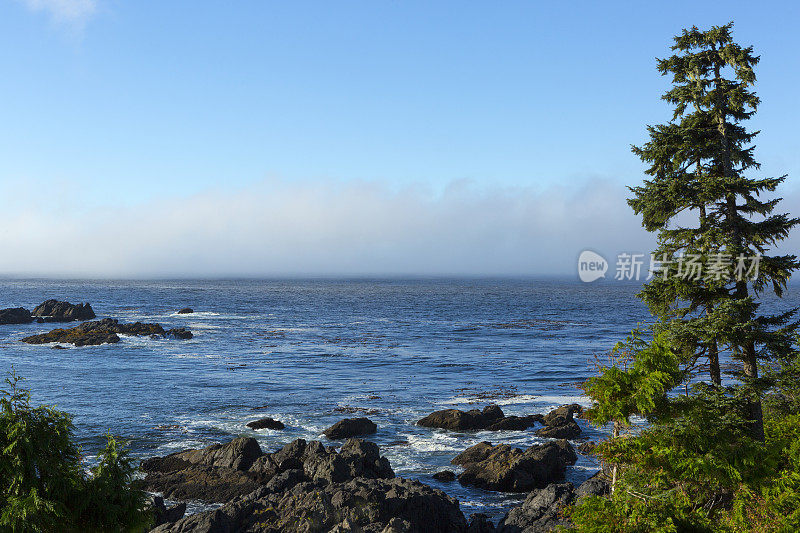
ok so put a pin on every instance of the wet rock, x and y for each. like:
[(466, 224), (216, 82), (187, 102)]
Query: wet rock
[(163, 514), (561, 415), (186, 311), (96, 332), (220, 473), (516, 423), (597, 485), (508, 469), (56, 311), (560, 424), (491, 418), (369, 505), (445, 476), (542, 510), (568, 430), (266, 423), (351, 427), (479, 523), (179, 333), (16, 315)]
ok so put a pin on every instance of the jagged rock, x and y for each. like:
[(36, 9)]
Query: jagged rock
[(561, 415), (164, 515), (350, 427), (597, 485), (508, 469), (560, 424), (16, 315), (368, 505), (542, 510), (491, 418), (568, 430), (266, 423), (179, 333), (479, 523), (516, 423), (186, 311), (445, 476), (56, 311), (96, 332), (220, 473)]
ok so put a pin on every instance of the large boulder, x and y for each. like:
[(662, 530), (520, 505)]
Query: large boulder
[(186, 311), (560, 424), (56, 311), (266, 423), (490, 418), (351, 427), (97, 332), (507, 469), (542, 510), (222, 472), (368, 505), (15, 315)]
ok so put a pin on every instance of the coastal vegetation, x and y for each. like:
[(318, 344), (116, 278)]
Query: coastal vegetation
[(45, 484), (714, 376)]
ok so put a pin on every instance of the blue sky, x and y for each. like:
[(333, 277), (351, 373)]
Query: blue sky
[(117, 114)]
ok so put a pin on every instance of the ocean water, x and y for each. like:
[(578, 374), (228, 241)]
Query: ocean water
[(310, 352)]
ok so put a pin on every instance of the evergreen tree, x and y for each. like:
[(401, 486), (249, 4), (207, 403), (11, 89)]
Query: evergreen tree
[(705, 207)]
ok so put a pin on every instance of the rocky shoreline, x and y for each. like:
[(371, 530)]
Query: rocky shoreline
[(88, 333), (311, 486)]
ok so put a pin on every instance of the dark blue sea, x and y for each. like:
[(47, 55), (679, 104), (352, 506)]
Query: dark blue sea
[(311, 352)]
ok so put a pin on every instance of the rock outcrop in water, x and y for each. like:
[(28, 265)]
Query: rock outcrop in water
[(543, 509), (103, 331), (507, 469), (186, 311), (351, 427), (490, 418), (16, 315), (266, 423), (560, 424), (57, 311), (220, 473), (365, 505)]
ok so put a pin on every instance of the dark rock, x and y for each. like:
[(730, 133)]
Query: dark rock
[(59, 347), (56, 311), (186, 311), (368, 505), (542, 510), (491, 418), (351, 427), (220, 473), (597, 485), (164, 515), (445, 476), (562, 415), (266, 423), (179, 333), (568, 430), (516, 423), (16, 315), (508, 469), (96, 332), (479, 523)]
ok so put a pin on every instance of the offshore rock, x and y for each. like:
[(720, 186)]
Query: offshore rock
[(16, 315), (350, 427), (508, 469), (97, 332), (56, 311), (491, 418)]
